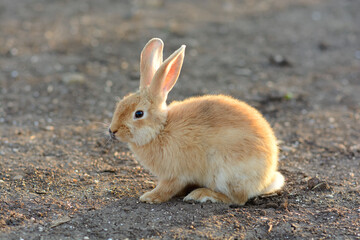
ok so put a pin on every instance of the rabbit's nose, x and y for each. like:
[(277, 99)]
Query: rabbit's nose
[(112, 134)]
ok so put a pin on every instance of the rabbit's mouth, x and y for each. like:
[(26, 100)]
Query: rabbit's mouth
[(112, 134)]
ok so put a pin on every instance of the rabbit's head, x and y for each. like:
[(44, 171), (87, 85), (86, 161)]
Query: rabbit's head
[(140, 116)]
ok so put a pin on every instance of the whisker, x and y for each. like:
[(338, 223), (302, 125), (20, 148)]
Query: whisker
[(108, 143), (102, 123)]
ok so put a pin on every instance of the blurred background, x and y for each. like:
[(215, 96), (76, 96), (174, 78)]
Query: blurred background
[(61, 55)]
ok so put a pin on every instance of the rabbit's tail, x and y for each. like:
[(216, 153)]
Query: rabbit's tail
[(276, 184)]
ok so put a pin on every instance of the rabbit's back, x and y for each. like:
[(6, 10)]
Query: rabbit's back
[(220, 121)]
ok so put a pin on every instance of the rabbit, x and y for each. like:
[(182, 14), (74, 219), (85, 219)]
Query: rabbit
[(216, 142)]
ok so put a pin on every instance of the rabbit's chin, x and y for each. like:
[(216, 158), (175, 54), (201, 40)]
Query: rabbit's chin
[(143, 135)]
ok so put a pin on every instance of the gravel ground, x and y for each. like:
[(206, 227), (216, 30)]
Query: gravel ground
[(64, 63)]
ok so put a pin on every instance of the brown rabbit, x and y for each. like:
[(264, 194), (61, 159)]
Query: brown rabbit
[(216, 142)]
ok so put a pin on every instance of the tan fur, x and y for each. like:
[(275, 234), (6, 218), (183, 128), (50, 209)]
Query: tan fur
[(216, 142), (206, 194)]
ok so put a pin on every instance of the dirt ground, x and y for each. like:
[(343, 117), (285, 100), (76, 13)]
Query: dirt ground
[(64, 63)]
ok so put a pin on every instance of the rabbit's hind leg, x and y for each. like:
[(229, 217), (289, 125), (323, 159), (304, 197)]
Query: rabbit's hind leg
[(206, 194), (238, 195)]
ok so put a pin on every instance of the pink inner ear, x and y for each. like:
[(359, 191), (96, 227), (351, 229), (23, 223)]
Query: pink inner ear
[(151, 59), (150, 67), (167, 74), (171, 76)]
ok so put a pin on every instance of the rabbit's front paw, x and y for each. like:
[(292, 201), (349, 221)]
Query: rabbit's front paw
[(163, 192), (151, 197)]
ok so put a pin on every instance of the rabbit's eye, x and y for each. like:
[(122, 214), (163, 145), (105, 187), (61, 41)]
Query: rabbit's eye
[(139, 114)]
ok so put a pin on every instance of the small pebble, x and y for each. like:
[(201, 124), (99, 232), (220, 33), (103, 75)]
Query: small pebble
[(71, 78), (279, 60), (50, 88), (318, 185), (14, 74), (18, 177), (14, 51), (109, 83), (124, 65), (323, 46), (49, 128)]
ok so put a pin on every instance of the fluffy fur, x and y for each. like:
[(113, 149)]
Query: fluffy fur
[(216, 142)]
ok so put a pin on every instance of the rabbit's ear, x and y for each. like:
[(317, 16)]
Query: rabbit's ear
[(150, 60), (167, 75)]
